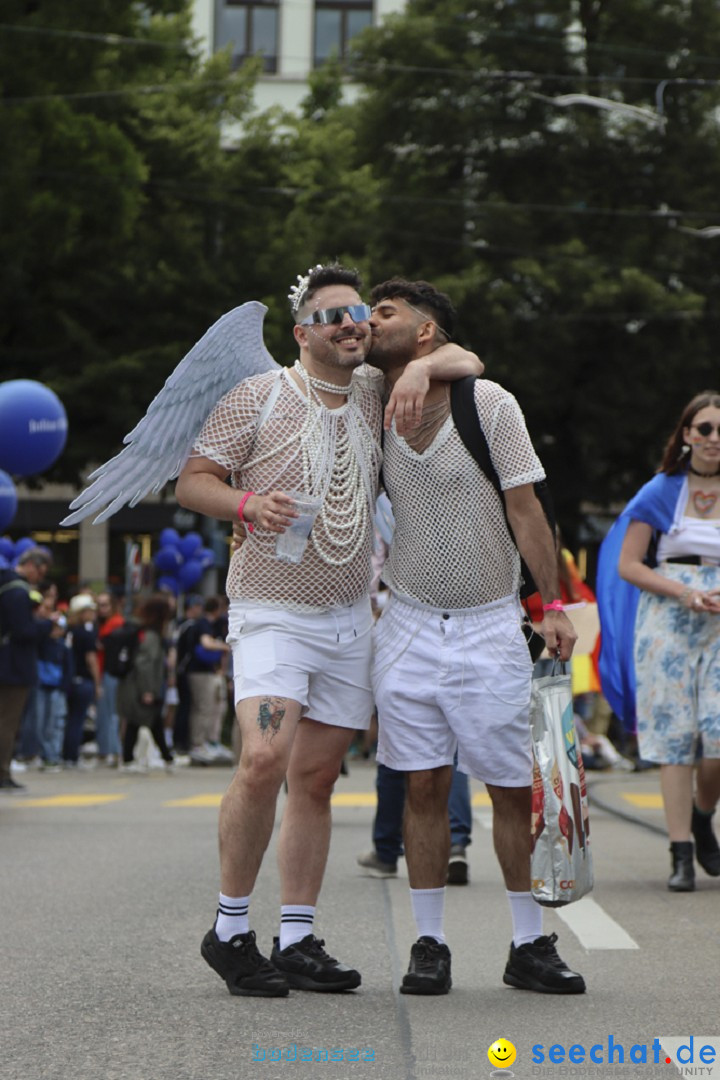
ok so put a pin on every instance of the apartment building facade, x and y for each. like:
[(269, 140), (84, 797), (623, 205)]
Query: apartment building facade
[(292, 36)]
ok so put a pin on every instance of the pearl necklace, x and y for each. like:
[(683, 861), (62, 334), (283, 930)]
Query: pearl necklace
[(320, 384), (340, 461)]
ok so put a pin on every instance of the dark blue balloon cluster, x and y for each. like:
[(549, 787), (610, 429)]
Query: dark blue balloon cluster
[(11, 550), (181, 561)]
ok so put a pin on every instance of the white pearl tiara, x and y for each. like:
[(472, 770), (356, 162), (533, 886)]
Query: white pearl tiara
[(297, 292)]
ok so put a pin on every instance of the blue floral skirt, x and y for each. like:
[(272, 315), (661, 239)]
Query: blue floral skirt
[(677, 667)]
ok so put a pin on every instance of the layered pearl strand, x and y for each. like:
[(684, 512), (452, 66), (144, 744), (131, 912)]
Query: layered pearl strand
[(340, 460), (320, 384)]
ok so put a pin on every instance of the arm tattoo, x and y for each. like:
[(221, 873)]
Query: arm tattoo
[(270, 716)]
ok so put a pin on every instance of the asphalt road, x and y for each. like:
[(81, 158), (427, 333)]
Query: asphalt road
[(109, 883)]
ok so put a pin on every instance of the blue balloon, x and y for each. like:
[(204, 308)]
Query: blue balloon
[(190, 573), (24, 544), (168, 560), (169, 538), (7, 546), (33, 427), (8, 506), (168, 584), (189, 544), (206, 556)]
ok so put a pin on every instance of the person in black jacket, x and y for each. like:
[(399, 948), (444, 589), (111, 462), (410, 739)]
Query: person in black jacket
[(20, 634)]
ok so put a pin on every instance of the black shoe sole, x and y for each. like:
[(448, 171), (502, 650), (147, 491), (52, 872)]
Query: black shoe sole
[(425, 988), (306, 982), (685, 887), (539, 988), (210, 957), (457, 873)]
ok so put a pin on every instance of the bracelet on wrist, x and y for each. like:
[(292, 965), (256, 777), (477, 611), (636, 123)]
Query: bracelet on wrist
[(685, 594), (241, 511), (554, 605)]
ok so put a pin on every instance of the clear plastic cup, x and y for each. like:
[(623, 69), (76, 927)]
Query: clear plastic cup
[(290, 545)]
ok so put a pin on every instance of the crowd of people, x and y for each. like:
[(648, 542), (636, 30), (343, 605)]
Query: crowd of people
[(81, 678)]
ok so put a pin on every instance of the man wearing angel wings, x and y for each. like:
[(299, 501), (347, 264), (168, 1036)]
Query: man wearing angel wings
[(300, 634)]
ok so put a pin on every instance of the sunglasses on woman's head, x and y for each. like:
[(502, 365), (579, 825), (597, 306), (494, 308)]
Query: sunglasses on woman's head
[(706, 428)]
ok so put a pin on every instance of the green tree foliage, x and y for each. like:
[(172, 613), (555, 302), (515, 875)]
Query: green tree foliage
[(559, 231), (111, 177)]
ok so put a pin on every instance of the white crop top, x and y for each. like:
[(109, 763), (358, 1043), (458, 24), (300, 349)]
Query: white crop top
[(691, 537)]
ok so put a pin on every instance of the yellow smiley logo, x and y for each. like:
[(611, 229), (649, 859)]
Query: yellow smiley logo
[(501, 1054)]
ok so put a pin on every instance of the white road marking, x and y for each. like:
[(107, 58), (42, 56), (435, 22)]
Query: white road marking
[(593, 927)]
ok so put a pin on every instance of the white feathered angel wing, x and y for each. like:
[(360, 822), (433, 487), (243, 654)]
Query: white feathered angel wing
[(158, 447)]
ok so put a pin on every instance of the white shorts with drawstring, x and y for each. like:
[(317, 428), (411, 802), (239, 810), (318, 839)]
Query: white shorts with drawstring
[(454, 680), (320, 659)]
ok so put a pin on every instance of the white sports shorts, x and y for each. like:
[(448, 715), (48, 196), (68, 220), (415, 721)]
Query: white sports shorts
[(447, 680), (321, 659)]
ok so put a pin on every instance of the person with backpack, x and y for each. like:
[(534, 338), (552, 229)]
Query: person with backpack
[(55, 670), (85, 686), (20, 635), (141, 690), (452, 670), (181, 656), (110, 620)]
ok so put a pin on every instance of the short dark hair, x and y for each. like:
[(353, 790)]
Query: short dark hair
[(674, 456), (420, 294), (332, 274)]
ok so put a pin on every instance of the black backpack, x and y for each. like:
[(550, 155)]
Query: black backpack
[(467, 422), (119, 649)]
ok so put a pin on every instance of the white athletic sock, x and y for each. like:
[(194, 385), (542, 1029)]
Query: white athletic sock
[(526, 916), (296, 922), (429, 909), (232, 916)]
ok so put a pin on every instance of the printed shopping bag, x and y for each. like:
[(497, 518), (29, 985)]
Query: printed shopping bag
[(561, 862)]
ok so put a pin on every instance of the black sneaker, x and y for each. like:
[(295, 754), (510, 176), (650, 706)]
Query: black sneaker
[(246, 972), (537, 966), (9, 784), (429, 970), (307, 966), (457, 873)]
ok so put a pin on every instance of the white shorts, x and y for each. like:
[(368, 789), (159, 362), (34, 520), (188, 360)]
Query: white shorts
[(454, 680), (320, 659)]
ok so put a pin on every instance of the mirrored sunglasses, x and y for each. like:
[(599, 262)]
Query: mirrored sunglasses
[(706, 428), (335, 315)]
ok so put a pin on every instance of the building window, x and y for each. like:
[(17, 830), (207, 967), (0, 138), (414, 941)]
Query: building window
[(251, 27), (336, 23)]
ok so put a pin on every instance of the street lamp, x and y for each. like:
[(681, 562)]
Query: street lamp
[(636, 112)]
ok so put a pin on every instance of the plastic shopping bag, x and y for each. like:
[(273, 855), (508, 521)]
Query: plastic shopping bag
[(561, 862)]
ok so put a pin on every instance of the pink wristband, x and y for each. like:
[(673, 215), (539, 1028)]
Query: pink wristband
[(241, 511), (555, 605)]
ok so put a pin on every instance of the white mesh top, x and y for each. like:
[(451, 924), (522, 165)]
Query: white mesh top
[(300, 445), (452, 548)]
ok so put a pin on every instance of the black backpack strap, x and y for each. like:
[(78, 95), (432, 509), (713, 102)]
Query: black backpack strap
[(467, 422)]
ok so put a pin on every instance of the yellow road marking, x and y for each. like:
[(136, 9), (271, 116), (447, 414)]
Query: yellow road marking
[(72, 800), (354, 798), (196, 800), (646, 802), (345, 798)]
